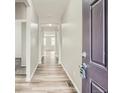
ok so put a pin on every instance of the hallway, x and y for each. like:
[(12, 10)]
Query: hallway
[(47, 79), (62, 46), (49, 59)]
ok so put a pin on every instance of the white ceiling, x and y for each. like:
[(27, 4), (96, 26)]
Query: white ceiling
[(50, 11)]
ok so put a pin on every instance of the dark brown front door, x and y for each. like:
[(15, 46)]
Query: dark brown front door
[(95, 46)]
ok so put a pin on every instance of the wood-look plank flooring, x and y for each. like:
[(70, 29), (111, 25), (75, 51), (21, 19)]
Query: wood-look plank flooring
[(47, 79)]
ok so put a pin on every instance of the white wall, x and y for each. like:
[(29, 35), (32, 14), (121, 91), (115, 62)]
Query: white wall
[(59, 43), (18, 40), (34, 41), (34, 47), (72, 40), (40, 43)]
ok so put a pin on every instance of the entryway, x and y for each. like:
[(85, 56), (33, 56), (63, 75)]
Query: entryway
[(64, 46)]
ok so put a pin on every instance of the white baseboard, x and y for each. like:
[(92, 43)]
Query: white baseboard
[(28, 79), (34, 70), (70, 78)]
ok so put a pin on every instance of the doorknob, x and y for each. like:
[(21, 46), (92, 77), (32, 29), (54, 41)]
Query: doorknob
[(83, 71)]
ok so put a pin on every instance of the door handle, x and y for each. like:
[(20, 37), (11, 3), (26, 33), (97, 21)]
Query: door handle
[(83, 71), (84, 55)]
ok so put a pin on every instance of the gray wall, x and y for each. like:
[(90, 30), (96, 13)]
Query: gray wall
[(20, 11), (72, 40)]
